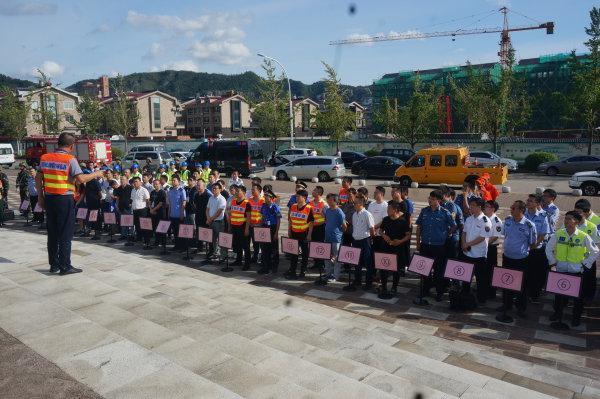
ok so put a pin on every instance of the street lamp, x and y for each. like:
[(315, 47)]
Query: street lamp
[(290, 91)]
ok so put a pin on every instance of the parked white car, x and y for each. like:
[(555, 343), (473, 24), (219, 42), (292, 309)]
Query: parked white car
[(292, 154), (7, 154), (588, 182), (489, 158), (324, 168)]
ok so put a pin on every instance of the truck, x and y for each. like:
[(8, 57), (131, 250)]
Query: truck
[(92, 150), (449, 165)]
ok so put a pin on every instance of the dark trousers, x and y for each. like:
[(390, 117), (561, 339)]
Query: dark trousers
[(437, 280), (158, 238), (23, 194), (508, 295), (60, 224), (537, 271), (303, 247), (366, 259), (200, 220), (241, 244), (561, 301), (139, 233), (270, 253), (175, 222), (482, 276), (96, 226), (491, 262), (256, 246), (318, 235), (37, 217)]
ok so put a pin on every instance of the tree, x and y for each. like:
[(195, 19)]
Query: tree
[(335, 117), (91, 115), (585, 92), (386, 116), (270, 114), (418, 117), (121, 114), (472, 99), (45, 114), (13, 115)]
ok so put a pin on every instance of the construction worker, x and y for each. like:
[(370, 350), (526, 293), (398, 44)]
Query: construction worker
[(55, 186), (162, 170), (239, 214), (184, 173), (256, 201), (300, 219), (135, 171), (343, 194), (573, 252), (171, 171), (205, 171), (319, 206)]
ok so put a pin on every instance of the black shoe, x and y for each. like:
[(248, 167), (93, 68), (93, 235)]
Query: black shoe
[(385, 295), (246, 267), (502, 308), (54, 270), (72, 270), (351, 287), (302, 274), (237, 263), (290, 275), (263, 271), (575, 322), (367, 287), (554, 317), (439, 297), (96, 237), (394, 290), (254, 260), (129, 244)]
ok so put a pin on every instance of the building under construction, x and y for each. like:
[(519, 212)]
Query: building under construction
[(544, 77)]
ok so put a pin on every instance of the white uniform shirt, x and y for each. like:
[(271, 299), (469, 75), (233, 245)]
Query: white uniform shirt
[(216, 203), (567, 267), (496, 226), (139, 198), (379, 211), (362, 222), (479, 226)]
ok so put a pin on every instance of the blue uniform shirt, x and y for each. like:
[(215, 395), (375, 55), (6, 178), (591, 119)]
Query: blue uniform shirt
[(435, 225), (175, 197), (540, 220), (552, 213), (270, 214), (292, 201), (518, 236), (457, 215), (334, 220), (410, 206)]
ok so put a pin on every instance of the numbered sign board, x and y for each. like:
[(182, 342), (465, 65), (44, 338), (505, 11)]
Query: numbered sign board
[(24, 205), (205, 234), (126, 220), (349, 255), (564, 284), (82, 213), (319, 250), (289, 246), (186, 231), (38, 208), (163, 226), (226, 240), (385, 261), (110, 218), (457, 270), (507, 279), (421, 265), (146, 224), (93, 216), (262, 234)]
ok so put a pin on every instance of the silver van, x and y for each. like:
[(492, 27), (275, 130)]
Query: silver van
[(157, 158)]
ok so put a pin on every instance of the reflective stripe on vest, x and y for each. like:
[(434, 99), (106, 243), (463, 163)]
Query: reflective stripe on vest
[(299, 218), (572, 249), (55, 168), (343, 196), (255, 215), (589, 228), (318, 209), (238, 213), (594, 219)]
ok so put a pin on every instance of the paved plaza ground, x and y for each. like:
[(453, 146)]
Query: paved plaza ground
[(137, 324)]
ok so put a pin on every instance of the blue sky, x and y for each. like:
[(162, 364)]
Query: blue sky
[(73, 40)]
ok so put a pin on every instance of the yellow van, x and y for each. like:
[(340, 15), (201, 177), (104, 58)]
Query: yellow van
[(450, 165)]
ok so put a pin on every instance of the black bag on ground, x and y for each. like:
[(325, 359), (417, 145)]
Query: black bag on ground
[(462, 300)]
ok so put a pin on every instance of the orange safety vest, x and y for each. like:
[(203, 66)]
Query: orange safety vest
[(343, 196), (238, 213), (318, 209), (255, 215), (55, 167), (299, 218)]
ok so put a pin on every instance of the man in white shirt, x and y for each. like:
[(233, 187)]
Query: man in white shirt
[(215, 214), (140, 198), (490, 208), (474, 244), (378, 208), (363, 228), (235, 179)]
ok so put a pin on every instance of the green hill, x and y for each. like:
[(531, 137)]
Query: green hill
[(14, 83), (186, 84)]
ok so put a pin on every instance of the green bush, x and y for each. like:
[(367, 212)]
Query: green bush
[(319, 152), (117, 153), (535, 158), (372, 152)]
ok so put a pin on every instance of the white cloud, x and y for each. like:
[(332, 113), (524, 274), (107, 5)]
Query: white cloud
[(155, 51), (113, 74), (102, 28), (183, 65), (10, 7), (222, 52), (174, 23), (50, 68)]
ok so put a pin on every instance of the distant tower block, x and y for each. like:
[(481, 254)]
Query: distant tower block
[(104, 86)]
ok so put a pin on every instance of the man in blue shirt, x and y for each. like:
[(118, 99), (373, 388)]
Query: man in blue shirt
[(519, 236), (538, 262), (552, 211), (300, 185), (271, 218), (176, 200), (453, 240), (335, 224), (434, 225)]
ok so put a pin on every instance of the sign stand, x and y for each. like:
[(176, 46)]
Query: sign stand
[(227, 268), (187, 250), (422, 266), (507, 280), (565, 285), (320, 250)]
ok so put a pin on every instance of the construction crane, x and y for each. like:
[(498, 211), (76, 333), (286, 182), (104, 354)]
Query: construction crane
[(505, 42)]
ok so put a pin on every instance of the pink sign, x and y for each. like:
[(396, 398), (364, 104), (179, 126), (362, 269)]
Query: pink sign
[(385, 261), (186, 231), (262, 234), (38, 208), (226, 240), (146, 224), (110, 218), (163, 226), (349, 255), (421, 265), (126, 220), (93, 216), (205, 234), (24, 205), (564, 284), (507, 279), (289, 246), (82, 213), (457, 270), (319, 250)]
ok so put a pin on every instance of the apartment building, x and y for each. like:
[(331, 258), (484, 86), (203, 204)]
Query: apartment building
[(51, 110), (210, 116), (305, 112)]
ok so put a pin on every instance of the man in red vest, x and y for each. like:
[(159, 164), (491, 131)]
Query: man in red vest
[(55, 185)]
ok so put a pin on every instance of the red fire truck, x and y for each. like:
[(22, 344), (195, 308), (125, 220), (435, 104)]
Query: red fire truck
[(84, 150)]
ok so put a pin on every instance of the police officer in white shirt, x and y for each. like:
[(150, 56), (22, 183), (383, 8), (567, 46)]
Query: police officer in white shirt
[(474, 244)]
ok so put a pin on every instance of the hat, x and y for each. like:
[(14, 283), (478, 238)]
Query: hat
[(162, 165), (104, 167), (135, 166), (270, 194), (206, 163), (117, 168), (301, 184), (197, 164), (486, 175), (172, 163), (183, 164)]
